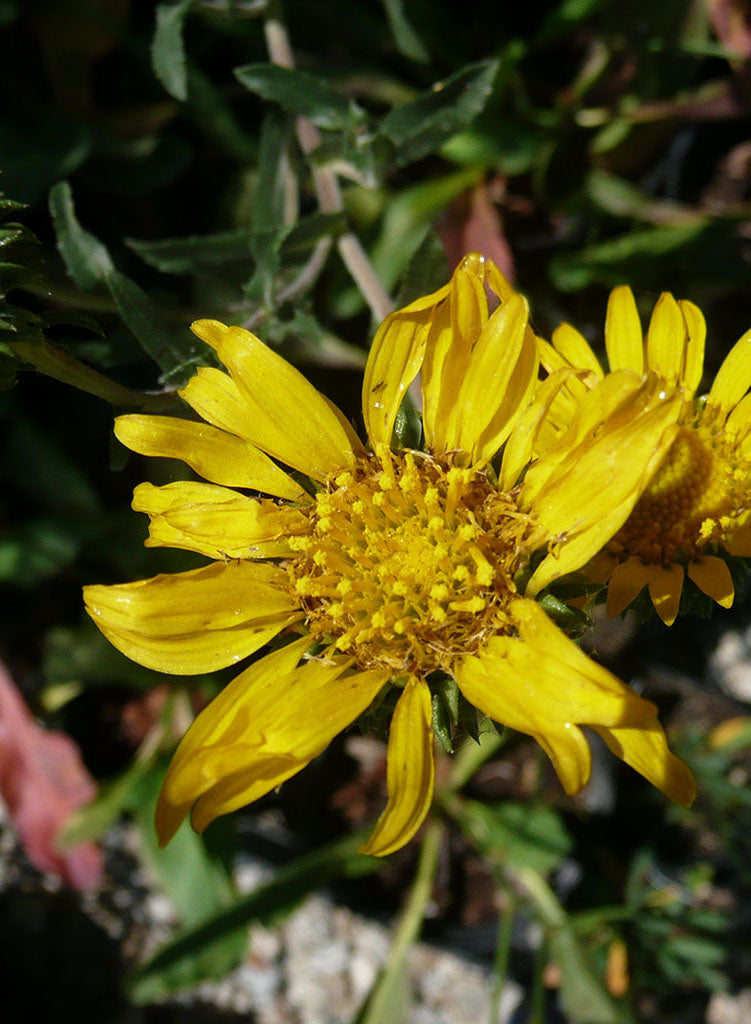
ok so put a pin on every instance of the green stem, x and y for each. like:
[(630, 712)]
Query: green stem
[(408, 928), (537, 1009), (470, 757), (502, 955), (61, 366)]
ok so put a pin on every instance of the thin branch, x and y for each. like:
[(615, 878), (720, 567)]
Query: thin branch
[(325, 182)]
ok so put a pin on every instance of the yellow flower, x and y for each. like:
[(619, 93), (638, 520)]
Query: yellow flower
[(395, 566), (697, 506)]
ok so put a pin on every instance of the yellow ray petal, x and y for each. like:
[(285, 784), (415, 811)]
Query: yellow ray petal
[(665, 590), (290, 420), (486, 382), (575, 350), (410, 771), (623, 334), (739, 543), (592, 491), (646, 750), (522, 682), (738, 423), (666, 339), (215, 596), (163, 535), (253, 769), (507, 682), (213, 454), (453, 332), (543, 679), (601, 567), (394, 361), (212, 520), (614, 401), (592, 690), (218, 400), (209, 616), (712, 577), (496, 280), (516, 398), (194, 653), (696, 335), (569, 751), (522, 442), (734, 376), (626, 582)]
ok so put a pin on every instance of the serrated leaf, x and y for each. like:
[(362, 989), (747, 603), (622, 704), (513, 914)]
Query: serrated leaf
[(86, 259), (300, 92), (168, 48), (419, 128), (445, 712), (8, 206)]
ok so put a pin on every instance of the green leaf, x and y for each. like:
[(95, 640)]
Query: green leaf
[(200, 888), (169, 969), (406, 38), (38, 549), (426, 271), (168, 48), (90, 822), (269, 229), (420, 127), (213, 116), (177, 354), (86, 259), (57, 485), (193, 253), (40, 146), (518, 834), (608, 262), (408, 424), (300, 92), (310, 230)]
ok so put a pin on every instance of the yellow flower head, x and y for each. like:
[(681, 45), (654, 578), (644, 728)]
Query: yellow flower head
[(697, 506), (395, 566)]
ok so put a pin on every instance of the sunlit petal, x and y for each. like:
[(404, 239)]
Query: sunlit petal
[(212, 453), (623, 334), (410, 771), (274, 393)]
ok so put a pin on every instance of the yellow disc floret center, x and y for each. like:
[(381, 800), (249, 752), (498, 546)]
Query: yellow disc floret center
[(409, 562), (694, 498)]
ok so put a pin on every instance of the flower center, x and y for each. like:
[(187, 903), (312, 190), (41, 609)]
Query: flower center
[(694, 498), (409, 562)]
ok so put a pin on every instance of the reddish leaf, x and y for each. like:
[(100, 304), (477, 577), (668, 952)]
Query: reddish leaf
[(731, 20), (42, 782), (472, 224)]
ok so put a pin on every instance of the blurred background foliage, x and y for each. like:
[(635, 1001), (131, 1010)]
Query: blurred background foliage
[(300, 171)]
